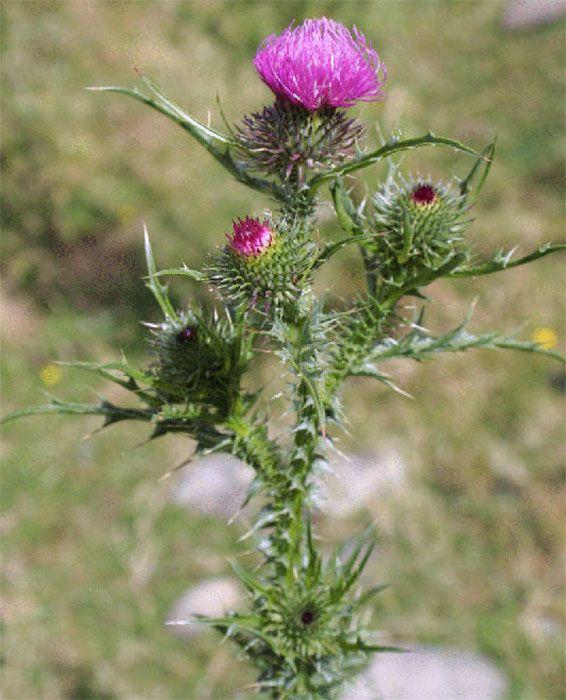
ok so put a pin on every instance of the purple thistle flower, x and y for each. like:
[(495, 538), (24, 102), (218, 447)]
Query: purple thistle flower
[(321, 64), (251, 237)]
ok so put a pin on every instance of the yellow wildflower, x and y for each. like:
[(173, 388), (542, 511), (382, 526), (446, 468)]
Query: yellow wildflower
[(50, 374), (126, 213), (545, 337)]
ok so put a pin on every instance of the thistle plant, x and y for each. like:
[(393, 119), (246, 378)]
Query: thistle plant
[(304, 629)]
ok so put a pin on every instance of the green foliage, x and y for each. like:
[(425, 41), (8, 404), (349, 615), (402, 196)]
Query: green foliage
[(503, 261), (395, 145), (304, 634), (217, 144)]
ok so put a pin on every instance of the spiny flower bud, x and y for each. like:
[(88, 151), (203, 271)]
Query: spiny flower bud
[(418, 225), (190, 357), (286, 139), (264, 263), (321, 64)]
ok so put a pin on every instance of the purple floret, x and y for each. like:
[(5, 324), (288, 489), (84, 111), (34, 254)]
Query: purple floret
[(321, 64), (251, 237)]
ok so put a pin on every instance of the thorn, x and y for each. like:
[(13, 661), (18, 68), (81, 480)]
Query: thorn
[(175, 469), (87, 436)]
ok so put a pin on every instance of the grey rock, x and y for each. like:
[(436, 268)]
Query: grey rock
[(354, 482), (214, 485), (428, 673), (527, 14), (213, 597)]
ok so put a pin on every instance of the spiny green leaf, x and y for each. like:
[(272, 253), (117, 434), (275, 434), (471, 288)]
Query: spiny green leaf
[(112, 413), (360, 645), (486, 159), (267, 518), (502, 261), (370, 371), (370, 593), (419, 345), (394, 146), (356, 572), (348, 216), (251, 582), (331, 248), (158, 290), (216, 143), (184, 272), (205, 134), (248, 623)]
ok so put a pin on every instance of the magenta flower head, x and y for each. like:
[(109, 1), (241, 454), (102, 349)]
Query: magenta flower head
[(321, 64), (251, 237)]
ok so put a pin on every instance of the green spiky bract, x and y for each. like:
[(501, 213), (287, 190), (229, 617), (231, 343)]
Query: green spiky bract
[(304, 630), (287, 141)]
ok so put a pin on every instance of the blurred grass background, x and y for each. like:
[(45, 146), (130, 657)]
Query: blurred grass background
[(94, 554)]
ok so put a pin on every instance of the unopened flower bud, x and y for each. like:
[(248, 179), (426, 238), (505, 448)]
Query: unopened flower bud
[(189, 358), (418, 225), (265, 262)]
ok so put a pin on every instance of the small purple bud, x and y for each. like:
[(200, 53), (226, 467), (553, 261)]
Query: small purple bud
[(186, 335), (251, 237), (424, 195), (307, 617)]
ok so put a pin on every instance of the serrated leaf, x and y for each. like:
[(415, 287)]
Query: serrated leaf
[(485, 159), (366, 596), (502, 261), (216, 143), (251, 582), (348, 216), (184, 272), (419, 345), (361, 646), (331, 248), (389, 149), (112, 413)]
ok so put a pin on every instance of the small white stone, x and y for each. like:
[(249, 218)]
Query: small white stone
[(428, 673), (214, 485), (214, 597), (355, 481), (526, 14)]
